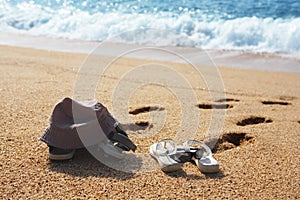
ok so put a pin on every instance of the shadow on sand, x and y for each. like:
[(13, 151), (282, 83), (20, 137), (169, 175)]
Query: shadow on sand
[(83, 164), (181, 173)]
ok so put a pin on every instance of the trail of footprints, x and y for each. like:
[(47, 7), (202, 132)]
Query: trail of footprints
[(232, 140), (227, 140)]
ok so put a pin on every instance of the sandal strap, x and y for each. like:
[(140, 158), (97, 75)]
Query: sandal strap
[(182, 157)]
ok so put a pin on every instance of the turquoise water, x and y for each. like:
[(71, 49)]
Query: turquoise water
[(255, 25)]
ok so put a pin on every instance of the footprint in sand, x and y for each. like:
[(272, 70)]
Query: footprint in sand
[(145, 109), (142, 123), (137, 126), (276, 103), (253, 120), (218, 106), (232, 140), (214, 106), (227, 100)]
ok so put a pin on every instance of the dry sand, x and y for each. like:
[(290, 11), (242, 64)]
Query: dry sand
[(258, 148)]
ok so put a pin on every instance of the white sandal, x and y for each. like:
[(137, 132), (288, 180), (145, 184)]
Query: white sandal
[(171, 157), (163, 152), (202, 156)]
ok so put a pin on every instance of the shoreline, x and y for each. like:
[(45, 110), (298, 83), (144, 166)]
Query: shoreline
[(236, 59)]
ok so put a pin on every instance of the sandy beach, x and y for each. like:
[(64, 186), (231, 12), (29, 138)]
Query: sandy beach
[(258, 145)]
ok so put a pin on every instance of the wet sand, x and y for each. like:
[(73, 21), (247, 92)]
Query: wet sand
[(257, 147)]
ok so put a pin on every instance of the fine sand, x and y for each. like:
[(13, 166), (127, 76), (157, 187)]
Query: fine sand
[(254, 115)]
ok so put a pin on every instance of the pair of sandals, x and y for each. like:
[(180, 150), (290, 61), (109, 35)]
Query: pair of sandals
[(171, 157)]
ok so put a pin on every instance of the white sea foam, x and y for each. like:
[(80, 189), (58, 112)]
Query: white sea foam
[(255, 34)]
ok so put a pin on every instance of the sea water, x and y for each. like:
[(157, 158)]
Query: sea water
[(253, 25)]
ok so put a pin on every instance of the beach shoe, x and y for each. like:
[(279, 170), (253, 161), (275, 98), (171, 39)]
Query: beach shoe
[(165, 154), (111, 150), (120, 138), (60, 154), (117, 142), (202, 156)]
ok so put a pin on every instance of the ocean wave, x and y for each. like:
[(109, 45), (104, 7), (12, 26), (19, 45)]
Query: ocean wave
[(243, 33)]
